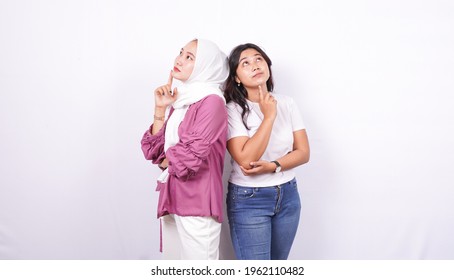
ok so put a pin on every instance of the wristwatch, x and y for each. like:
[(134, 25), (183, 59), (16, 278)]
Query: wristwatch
[(278, 166)]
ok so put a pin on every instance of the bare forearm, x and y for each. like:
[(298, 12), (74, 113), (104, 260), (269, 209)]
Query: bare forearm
[(294, 159), (158, 123), (254, 148), (301, 151)]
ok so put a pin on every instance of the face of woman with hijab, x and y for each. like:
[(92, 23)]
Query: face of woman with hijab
[(184, 62)]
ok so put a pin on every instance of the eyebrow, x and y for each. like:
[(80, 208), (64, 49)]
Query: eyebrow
[(182, 50), (257, 54)]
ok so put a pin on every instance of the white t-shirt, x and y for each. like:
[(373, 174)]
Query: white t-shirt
[(287, 121)]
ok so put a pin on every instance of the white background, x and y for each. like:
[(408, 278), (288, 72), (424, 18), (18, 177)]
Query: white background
[(374, 81)]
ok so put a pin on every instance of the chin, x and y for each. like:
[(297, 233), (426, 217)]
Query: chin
[(177, 76)]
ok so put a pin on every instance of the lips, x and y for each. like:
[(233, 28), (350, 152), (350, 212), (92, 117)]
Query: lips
[(175, 69), (258, 74)]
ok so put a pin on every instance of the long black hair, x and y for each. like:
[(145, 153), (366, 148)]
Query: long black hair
[(236, 92)]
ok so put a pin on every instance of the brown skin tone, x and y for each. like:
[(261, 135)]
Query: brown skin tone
[(252, 73)]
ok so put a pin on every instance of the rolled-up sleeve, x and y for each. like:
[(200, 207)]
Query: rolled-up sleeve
[(208, 125), (153, 146)]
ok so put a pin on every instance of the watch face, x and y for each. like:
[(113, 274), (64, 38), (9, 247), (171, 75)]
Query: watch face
[(278, 169)]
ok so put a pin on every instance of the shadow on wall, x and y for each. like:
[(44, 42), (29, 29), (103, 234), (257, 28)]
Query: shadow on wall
[(225, 247)]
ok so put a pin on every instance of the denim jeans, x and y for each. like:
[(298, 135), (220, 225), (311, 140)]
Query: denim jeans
[(263, 221)]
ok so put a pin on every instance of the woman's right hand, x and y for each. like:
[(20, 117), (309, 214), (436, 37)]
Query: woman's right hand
[(164, 96), (267, 105), (164, 164)]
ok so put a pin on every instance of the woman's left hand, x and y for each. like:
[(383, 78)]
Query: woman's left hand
[(259, 167)]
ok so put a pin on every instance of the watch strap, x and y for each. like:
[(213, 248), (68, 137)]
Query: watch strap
[(278, 165)]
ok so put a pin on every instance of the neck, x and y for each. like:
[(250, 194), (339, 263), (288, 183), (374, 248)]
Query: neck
[(253, 93)]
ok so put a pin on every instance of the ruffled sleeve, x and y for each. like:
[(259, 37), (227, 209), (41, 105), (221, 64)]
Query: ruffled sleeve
[(153, 145), (210, 122)]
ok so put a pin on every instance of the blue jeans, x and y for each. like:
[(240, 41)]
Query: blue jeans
[(263, 221)]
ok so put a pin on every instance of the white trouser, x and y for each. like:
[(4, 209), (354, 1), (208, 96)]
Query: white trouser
[(190, 238)]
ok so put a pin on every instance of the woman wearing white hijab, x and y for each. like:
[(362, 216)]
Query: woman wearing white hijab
[(189, 146)]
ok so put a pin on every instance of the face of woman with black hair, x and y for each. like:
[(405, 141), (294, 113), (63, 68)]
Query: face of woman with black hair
[(252, 69)]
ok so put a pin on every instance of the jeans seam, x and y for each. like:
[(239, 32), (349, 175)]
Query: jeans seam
[(232, 226)]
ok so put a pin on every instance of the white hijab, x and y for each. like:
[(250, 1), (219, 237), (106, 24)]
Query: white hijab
[(210, 71)]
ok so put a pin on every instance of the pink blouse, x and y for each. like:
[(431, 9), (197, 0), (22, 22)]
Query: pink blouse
[(196, 162)]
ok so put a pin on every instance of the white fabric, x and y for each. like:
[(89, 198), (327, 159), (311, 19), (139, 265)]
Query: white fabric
[(210, 71), (190, 238), (287, 121)]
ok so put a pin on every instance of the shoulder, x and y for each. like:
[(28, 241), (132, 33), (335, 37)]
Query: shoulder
[(283, 98), (214, 98), (233, 106), (284, 102), (211, 102)]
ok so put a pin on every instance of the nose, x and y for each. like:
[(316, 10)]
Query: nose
[(178, 61), (255, 67)]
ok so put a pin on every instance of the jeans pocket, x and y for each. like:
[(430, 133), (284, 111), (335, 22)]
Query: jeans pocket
[(294, 183), (244, 192)]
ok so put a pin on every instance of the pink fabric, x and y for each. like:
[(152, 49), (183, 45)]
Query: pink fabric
[(194, 187), (160, 235)]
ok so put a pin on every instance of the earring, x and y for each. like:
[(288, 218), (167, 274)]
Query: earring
[(239, 84)]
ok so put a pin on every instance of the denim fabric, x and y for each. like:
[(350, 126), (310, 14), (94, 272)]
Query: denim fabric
[(263, 221)]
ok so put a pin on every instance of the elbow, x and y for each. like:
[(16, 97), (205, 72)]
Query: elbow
[(244, 161), (245, 164), (306, 157), (146, 154)]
